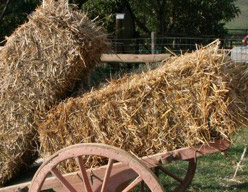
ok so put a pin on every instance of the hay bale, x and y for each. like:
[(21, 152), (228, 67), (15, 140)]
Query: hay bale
[(189, 100), (40, 62)]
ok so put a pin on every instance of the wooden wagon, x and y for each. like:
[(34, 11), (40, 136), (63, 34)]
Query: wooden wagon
[(124, 171)]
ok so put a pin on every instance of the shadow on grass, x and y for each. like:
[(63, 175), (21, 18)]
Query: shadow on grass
[(237, 187), (236, 149), (240, 186)]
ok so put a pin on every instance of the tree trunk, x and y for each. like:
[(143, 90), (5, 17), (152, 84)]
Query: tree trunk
[(4, 9), (137, 21)]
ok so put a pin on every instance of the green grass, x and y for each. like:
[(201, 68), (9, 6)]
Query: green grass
[(214, 172)]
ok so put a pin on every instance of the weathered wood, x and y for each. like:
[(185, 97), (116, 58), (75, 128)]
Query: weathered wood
[(153, 43), (134, 58), (124, 173)]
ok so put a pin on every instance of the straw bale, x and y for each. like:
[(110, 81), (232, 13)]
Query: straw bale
[(189, 100), (39, 64)]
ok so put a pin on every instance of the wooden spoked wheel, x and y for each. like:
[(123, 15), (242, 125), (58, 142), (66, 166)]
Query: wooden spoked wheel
[(184, 182), (113, 154)]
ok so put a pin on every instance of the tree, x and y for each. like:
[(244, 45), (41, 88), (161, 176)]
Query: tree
[(14, 13), (167, 17), (79, 3), (4, 9), (104, 11)]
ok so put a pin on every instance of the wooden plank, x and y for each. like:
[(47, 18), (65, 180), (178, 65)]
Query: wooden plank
[(186, 153), (134, 58)]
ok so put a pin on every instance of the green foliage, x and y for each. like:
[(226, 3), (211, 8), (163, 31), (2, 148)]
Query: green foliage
[(190, 17), (204, 17), (167, 17), (105, 10), (16, 14)]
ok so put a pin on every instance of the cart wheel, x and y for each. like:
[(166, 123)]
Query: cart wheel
[(92, 149), (183, 182)]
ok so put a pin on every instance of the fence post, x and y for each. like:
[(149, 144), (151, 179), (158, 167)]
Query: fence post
[(153, 43)]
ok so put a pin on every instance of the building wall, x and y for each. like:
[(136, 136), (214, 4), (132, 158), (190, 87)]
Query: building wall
[(241, 22)]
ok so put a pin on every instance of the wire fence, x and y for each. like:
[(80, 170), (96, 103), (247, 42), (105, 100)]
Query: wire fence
[(237, 31), (166, 44), (178, 45)]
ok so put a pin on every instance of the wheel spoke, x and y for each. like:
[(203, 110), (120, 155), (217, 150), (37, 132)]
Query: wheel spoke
[(188, 176), (133, 184), (62, 180), (111, 177), (84, 174), (107, 175), (170, 174)]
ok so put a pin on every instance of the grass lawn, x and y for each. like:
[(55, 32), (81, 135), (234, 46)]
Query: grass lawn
[(214, 172)]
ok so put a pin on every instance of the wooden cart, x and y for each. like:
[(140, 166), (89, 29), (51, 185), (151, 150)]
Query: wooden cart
[(123, 172)]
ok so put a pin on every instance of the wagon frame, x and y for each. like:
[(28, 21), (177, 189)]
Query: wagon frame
[(123, 172)]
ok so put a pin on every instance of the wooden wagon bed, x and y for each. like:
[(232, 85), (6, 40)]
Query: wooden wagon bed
[(121, 169)]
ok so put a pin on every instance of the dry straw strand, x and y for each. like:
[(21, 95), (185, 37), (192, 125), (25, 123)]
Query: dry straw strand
[(41, 61), (192, 99)]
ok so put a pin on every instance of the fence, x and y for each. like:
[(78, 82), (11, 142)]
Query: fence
[(161, 45), (237, 31)]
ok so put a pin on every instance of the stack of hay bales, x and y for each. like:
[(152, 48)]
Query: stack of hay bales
[(40, 62), (190, 100)]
